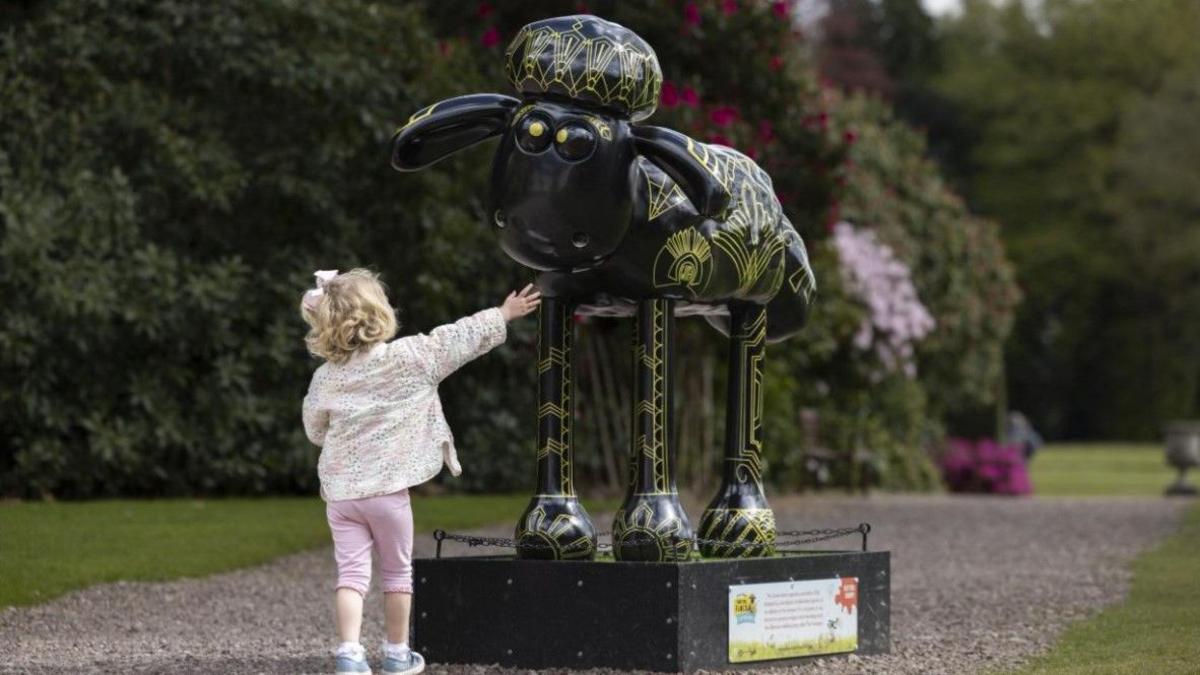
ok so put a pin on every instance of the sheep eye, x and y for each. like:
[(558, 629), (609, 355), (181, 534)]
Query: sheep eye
[(534, 134), (574, 142)]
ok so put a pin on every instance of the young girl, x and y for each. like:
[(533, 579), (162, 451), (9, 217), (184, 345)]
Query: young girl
[(373, 408)]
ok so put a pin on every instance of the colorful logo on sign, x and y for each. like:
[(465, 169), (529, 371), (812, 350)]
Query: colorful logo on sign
[(745, 608), (847, 595)]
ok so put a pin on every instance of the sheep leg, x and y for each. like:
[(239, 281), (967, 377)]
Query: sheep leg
[(651, 524), (555, 525), (739, 523)]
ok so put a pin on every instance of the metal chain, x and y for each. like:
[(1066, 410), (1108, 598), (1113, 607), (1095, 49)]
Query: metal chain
[(783, 539)]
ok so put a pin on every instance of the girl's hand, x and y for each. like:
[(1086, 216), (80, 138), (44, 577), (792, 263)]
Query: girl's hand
[(517, 305)]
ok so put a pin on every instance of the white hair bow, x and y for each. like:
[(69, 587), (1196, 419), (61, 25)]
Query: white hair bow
[(313, 295)]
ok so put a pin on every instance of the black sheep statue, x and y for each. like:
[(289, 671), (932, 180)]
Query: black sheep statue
[(625, 219)]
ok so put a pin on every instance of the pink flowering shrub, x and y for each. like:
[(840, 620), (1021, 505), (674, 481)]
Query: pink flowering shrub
[(896, 320), (985, 466)]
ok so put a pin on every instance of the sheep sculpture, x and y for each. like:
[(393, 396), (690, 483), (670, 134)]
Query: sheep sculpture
[(625, 219)]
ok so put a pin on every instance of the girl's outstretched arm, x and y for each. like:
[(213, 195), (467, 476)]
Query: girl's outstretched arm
[(447, 348)]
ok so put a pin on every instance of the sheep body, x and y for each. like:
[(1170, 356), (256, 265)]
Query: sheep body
[(749, 253)]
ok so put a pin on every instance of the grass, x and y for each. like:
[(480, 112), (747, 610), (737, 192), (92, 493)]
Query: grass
[(47, 549), (1095, 469), (1154, 631)]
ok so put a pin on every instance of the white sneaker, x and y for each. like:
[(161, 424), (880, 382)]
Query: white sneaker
[(410, 663)]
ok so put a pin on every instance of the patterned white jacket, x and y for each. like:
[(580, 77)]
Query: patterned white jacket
[(378, 418)]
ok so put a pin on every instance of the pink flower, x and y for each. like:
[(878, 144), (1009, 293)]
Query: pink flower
[(484, 9), (669, 97), (776, 62), (691, 14), (766, 132), (719, 140), (781, 9), (724, 115), (820, 120), (850, 136), (490, 37), (985, 466), (752, 153), (729, 7), (1018, 481), (690, 98)]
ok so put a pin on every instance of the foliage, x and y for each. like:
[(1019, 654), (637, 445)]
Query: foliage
[(1155, 201), (959, 265), (878, 46), (171, 174), (1085, 146)]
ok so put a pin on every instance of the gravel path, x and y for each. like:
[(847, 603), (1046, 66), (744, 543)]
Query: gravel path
[(978, 584)]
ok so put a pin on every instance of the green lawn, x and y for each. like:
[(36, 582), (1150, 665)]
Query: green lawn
[(1067, 469), (47, 549), (1155, 630)]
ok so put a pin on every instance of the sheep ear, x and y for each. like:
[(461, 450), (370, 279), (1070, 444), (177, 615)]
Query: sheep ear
[(446, 127), (686, 161)]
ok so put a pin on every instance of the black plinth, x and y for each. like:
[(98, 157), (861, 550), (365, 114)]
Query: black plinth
[(630, 615)]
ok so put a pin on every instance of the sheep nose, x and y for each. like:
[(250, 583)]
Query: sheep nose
[(580, 240)]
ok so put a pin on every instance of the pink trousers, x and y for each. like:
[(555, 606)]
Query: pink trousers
[(384, 523)]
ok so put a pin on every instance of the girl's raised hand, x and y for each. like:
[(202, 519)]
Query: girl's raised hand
[(517, 305)]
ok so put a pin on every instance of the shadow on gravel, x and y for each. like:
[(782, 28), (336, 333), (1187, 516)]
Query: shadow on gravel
[(291, 665), (190, 665)]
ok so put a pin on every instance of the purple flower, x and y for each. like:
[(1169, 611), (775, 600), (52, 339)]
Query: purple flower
[(984, 466), (896, 320)]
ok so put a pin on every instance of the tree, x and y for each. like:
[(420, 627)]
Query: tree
[(1156, 204), (1045, 92)]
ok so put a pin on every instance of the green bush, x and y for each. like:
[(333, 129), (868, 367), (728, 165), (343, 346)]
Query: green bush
[(171, 174)]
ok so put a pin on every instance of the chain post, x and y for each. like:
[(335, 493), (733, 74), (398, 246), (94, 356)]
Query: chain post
[(439, 535)]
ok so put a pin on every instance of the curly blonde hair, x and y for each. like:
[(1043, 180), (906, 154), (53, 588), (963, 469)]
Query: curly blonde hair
[(351, 316)]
